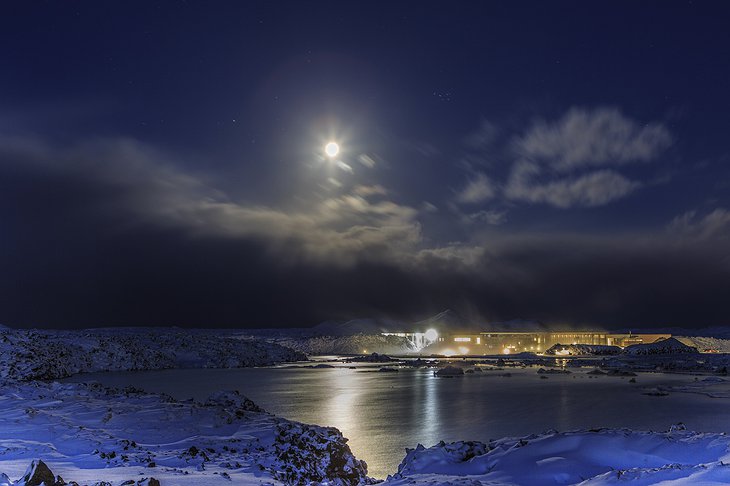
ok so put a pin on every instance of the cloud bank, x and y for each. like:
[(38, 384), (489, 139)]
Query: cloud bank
[(116, 232)]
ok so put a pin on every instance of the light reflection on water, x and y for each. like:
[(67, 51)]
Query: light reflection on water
[(383, 413)]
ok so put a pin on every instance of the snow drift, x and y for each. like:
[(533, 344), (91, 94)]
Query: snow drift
[(595, 457)]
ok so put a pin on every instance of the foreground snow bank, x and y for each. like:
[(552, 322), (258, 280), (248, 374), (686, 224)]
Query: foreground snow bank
[(597, 457), (89, 433), (27, 355)]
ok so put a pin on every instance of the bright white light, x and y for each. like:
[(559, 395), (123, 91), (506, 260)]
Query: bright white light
[(448, 352), (431, 335), (506, 351), (331, 149), (463, 350)]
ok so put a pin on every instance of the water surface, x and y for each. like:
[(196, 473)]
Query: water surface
[(383, 413)]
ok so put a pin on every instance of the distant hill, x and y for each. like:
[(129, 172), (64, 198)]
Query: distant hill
[(516, 325), (445, 322), (360, 326), (720, 332), (451, 321)]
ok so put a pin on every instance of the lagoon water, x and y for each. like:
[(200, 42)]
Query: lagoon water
[(383, 413)]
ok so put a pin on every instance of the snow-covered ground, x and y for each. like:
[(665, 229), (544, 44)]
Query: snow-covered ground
[(89, 433), (587, 457)]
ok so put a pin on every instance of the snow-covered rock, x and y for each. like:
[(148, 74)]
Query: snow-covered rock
[(441, 458), (553, 371), (307, 454), (450, 370), (372, 358), (706, 344), (583, 350), (38, 474), (665, 346)]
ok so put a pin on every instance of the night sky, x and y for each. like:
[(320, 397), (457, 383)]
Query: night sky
[(162, 162)]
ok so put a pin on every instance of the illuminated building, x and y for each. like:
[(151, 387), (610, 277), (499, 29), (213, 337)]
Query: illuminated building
[(490, 342)]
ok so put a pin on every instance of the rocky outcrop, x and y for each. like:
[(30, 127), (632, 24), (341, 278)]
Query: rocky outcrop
[(307, 454), (450, 371), (38, 474)]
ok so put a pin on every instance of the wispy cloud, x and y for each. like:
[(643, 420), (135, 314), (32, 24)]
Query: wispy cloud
[(575, 161), (713, 225), (366, 160), (478, 189), (490, 216), (365, 191), (592, 138), (483, 137), (588, 190)]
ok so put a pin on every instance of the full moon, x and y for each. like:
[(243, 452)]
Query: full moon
[(331, 149)]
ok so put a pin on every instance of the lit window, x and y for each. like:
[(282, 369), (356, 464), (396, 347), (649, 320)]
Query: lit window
[(462, 339)]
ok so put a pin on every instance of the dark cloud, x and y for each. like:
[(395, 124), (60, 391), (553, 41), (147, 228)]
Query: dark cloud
[(111, 233)]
